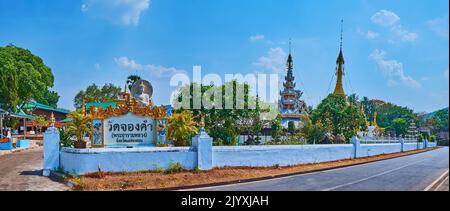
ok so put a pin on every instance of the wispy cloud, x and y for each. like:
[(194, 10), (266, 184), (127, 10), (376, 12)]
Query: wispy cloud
[(125, 12), (391, 20), (156, 70), (273, 61), (439, 26), (372, 35), (393, 68), (126, 63), (385, 18), (97, 66), (257, 37)]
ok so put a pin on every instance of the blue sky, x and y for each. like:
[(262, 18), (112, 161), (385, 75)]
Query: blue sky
[(395, 50)]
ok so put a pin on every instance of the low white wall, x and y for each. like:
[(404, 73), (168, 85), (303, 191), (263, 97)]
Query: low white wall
[(367, 150), (266, 156), (203, 156), (84, 161)]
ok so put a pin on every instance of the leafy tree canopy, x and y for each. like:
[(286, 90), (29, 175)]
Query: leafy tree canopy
[(93, 93), (387, 112), (23, 77), (339, 116), (224, 125)]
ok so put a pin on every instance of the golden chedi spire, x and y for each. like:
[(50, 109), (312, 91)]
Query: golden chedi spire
[(339, 90), (374, 122)]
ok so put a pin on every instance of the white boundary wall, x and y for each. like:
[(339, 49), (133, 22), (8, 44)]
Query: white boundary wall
[(204, 156)]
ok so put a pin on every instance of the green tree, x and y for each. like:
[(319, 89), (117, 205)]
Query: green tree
[(224, 125), (276, 128), (93, 93), (291, 127), (400, 126), (313, 133), (339, 116), (40, 121), (181, 128), (78, 126), (24, 77)]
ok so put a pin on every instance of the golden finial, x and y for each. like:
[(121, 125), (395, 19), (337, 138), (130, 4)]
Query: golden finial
[(52, 120), (202, 121)]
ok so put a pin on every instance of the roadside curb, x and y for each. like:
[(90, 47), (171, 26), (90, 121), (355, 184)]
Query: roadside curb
[(438, 182), (61, 178)]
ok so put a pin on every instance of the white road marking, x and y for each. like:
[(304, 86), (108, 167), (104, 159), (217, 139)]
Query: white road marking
[(287, 177), (376, 175), (436, 181)]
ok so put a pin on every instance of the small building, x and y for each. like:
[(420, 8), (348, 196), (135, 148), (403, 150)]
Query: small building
[(34, 108)]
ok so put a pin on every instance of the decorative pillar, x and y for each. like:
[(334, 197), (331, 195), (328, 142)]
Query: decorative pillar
[(203, 143), (51, 150), (356, 145)]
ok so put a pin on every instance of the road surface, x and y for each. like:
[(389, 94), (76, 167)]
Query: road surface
[(410, 173), (23, 170)]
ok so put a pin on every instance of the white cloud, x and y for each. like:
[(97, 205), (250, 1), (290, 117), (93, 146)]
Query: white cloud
[(128, 64), (385, 18), (257, 37), (403, 34), (274, 60), (439, 26), (393, 68), (372, 35), (97, 66), (125, 12), (161, 71), (389, 19), (156, 70)]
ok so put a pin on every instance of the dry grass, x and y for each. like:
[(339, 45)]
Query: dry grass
[(161, 180)]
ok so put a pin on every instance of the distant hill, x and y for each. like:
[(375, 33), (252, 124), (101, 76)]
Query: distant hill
[(433, 114)]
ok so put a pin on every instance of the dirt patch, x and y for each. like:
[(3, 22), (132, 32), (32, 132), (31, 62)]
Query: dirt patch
[(102, 181)]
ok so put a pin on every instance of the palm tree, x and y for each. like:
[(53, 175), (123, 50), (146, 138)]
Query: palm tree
[(131, 80), (181, 128), (79, 127), (39, 122)]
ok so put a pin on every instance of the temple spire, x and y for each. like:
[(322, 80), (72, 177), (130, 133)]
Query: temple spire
[(339, 90), (289, 79)]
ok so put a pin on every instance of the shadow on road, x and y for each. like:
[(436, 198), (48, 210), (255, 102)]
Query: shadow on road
[(31, 173)]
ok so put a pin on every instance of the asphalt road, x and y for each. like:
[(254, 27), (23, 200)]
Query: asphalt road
[(23, 170), (410, 173)]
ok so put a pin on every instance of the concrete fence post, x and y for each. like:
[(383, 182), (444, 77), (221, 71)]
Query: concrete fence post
[(51, 151), (402, 145), (203, 143), (356, 145)]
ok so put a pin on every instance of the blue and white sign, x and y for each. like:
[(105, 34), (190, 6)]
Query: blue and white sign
[(129, 130)]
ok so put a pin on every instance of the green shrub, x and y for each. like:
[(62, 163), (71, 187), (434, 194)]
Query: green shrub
[(174, 168), (65, 138)]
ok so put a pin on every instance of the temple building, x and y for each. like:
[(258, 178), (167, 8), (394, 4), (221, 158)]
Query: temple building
[(290, 105)]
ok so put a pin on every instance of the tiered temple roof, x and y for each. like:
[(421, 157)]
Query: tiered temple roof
[(290, 105)]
